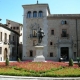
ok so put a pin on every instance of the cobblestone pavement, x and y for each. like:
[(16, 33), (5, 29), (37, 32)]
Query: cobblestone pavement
[(36, 78)]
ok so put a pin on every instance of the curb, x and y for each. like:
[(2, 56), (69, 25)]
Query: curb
[(38, 78)]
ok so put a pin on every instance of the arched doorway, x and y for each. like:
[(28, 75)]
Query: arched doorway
[(5, 53)]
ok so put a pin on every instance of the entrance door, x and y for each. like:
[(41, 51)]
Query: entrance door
[(65, 53), (5, 53)]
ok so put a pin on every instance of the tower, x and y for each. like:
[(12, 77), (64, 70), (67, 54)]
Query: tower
[(35, 17)]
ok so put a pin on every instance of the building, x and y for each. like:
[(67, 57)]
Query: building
[(8, 43), (10, 40), (18, 27), (62, 33)]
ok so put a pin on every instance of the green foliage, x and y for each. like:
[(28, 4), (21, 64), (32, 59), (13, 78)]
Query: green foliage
[(71, 62), (19, 60), (36, 72), (7, 62), (61, 72)]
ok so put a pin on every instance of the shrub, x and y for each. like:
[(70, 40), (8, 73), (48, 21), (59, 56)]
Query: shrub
[(71, 62), (7, 62), (19, 60)]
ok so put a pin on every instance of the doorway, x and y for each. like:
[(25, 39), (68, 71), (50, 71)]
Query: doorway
[(65, 53), (5, 53)]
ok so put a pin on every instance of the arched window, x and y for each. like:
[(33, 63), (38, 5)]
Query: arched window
[(40, 14), (35, 14), (29, 14)]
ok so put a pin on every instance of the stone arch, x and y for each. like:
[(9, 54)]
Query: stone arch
[(5, 53)]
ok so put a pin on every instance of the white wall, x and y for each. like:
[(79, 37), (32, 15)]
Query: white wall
[(3, 30)]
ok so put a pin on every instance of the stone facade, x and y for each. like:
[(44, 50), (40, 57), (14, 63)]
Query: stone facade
[(18, 27), (8, 43), (62, 33)]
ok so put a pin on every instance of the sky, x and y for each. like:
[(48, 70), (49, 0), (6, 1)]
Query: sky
[(12, 9)]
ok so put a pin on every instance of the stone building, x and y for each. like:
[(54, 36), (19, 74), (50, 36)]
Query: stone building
[(10, 40), (62, 33), (8, 43), (18, 27)]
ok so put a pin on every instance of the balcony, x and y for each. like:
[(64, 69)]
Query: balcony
[(65, 35), (5, 41), (33, 36)]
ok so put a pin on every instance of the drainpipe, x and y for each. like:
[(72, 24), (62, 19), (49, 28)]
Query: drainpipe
[(77, 37)]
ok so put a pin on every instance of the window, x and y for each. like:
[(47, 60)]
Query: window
[(31, 53), (34, 33), (40, 14), (17, 27), (9, 38), (64, 33), (51, 43), (63, 22), (74, 55), (35, 14), (13, 51), (52, 32), (17, 39), (0, 50), (51, 54), (13, 27), (29, 14), (0, 36), (13, 38), (5, 37)]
